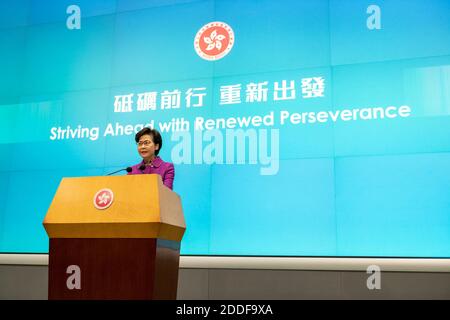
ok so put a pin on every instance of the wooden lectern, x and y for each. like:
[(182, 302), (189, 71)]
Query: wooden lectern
[(114, 237)]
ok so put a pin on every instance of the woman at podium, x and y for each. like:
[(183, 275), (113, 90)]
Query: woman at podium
[(149, 143)]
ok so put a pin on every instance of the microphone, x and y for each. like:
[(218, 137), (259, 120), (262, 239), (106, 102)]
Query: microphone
[(127, 169), (142, 167)]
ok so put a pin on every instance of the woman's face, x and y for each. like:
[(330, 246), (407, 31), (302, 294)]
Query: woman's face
[(146, 147)]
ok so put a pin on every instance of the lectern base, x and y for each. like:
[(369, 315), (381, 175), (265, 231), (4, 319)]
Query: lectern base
[(143, 269)]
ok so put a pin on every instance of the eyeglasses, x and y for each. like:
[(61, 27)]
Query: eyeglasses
[(144, 143)]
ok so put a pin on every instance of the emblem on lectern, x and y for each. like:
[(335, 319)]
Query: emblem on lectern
[(103, 199)]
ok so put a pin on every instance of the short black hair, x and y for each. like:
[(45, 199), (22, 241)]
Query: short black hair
[(156, 137)]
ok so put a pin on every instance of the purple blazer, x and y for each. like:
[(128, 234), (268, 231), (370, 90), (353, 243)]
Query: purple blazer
[(165, 169)]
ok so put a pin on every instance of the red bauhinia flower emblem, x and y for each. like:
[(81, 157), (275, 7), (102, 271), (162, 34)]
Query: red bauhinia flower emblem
[(103, 199), (214, 40)]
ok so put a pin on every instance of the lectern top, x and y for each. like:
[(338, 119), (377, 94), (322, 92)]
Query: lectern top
[(133, 206)]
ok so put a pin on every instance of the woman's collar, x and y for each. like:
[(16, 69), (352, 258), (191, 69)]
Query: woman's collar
[(156, 162)]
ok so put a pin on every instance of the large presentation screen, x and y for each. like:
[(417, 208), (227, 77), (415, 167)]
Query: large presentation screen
[(296, 127)]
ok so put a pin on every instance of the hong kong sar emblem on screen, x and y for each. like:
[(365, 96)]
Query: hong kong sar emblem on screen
[(103, 199), (214, 41)]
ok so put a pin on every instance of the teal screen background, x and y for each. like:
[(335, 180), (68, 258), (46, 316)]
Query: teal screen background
[(358, 188)]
